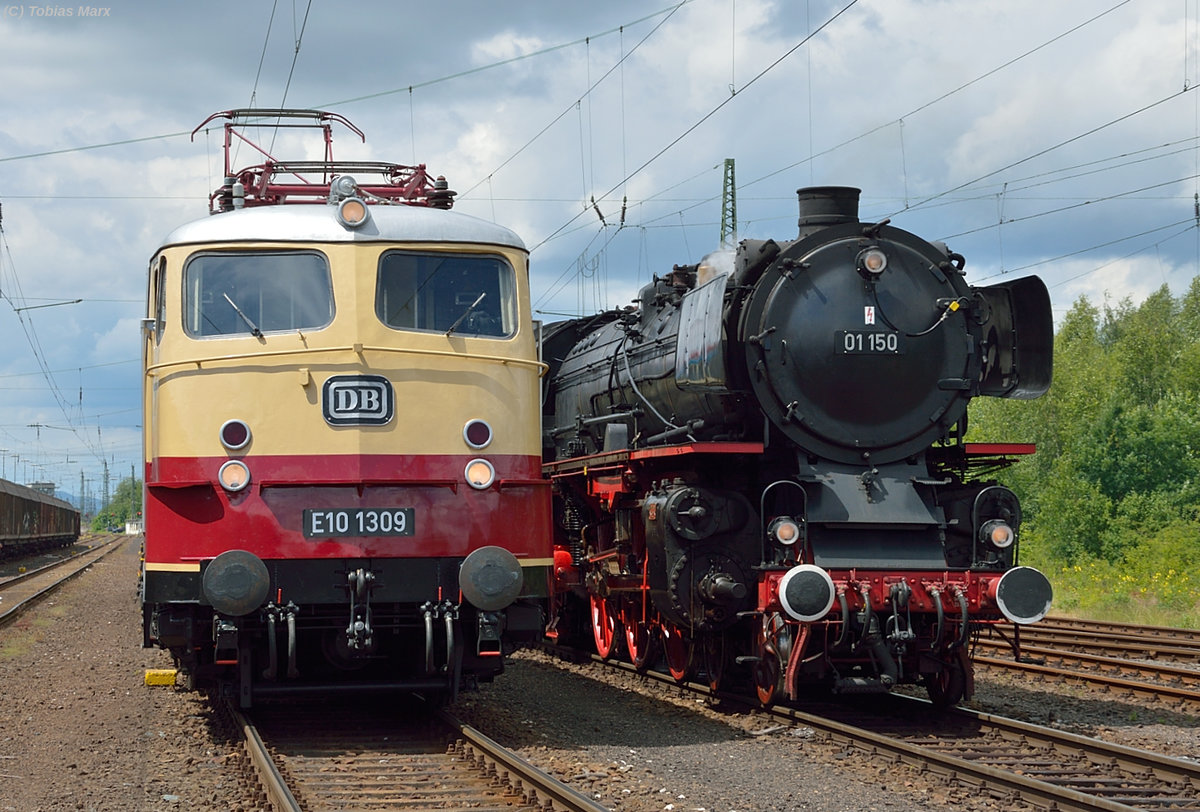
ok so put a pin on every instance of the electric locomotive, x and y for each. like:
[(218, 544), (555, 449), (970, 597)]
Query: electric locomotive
[(760, 468), (342, 453)]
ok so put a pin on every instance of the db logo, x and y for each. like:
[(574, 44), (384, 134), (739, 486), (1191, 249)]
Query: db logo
[(357, 400)]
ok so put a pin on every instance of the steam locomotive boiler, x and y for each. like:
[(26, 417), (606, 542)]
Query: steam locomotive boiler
[(760, 469)]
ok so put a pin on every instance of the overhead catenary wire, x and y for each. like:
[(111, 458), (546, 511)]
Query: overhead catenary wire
[(1187, 223), (409, 88), (39, 354), (733, 94), (1059, 145), (954, 199), (296, 52), (1081, 204), (262, 58), (695, 125), (937, 99), (933, 200), (591, 87)]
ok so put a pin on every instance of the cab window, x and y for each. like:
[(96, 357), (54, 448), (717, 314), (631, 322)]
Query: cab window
[(158, 295), (252, 293), (468, 294)]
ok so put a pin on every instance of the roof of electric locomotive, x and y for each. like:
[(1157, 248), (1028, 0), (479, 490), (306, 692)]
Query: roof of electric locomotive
[(316, 222)]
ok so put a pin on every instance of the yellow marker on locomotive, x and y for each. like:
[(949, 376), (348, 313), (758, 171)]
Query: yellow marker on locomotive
[(342, 445)]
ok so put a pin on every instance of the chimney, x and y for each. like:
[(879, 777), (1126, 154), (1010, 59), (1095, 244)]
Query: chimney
[(824, 206)]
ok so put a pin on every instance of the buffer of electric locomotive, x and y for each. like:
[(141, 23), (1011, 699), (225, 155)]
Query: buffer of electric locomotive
[(314, 488)]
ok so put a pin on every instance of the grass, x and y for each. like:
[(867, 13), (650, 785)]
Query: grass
[(1100, 590)]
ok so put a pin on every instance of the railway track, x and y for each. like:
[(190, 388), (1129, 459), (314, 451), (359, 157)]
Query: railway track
[(1048, 768), (1188, 638), (398, 756), (22, 590), (1124, 659), (1126, 640), (1007, 759)]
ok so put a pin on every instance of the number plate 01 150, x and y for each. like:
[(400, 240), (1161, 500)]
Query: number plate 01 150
[(358, 522), (867, 342)]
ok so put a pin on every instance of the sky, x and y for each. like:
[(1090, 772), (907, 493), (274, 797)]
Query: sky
[(1051, 138)]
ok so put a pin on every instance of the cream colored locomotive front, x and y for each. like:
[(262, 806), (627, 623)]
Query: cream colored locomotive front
[(199, 374)]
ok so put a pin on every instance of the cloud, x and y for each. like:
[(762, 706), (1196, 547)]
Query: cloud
[(968, 122)]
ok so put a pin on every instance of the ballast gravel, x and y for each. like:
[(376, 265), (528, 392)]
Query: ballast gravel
[(80, 731)]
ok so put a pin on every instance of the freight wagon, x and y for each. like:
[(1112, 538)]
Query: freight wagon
[(31, 521)]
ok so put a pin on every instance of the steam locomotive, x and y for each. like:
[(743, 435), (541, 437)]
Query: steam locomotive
[(760, 469)]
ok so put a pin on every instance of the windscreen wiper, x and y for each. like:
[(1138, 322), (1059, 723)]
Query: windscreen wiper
[(254, 331), (466, 313)]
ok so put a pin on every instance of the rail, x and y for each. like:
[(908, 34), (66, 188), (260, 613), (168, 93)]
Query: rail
[(1008, 759), (273, 783), (23, 591), (562, 796), (311, 755)]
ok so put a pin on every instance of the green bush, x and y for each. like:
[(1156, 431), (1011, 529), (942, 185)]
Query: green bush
[(1112, 498)]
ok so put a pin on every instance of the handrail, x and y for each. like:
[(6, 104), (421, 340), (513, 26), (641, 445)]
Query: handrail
[(357, 349)]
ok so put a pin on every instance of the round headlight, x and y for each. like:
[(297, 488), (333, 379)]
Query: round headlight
[(234, 475), (480, 474), (872, 262), (235, 434), (997, 533), (1023, 595), (477, 433), (352, 212), (785, 531)]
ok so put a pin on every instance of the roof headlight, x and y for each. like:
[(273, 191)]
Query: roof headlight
[(234, 476), (352, 212), (480, 474)]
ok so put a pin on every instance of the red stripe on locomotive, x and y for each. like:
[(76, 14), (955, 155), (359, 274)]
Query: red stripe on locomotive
[(194, 519)]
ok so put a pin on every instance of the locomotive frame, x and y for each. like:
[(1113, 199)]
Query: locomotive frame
[(342, 469)]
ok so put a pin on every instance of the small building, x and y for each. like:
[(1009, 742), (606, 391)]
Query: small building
[(47, 488)]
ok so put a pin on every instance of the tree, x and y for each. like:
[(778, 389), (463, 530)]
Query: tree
[(1147, 347), (126, 505), (1118, 434), (1186, 369)]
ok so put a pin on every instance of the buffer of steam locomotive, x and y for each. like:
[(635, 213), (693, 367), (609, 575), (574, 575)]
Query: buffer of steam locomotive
[(810, 391)]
